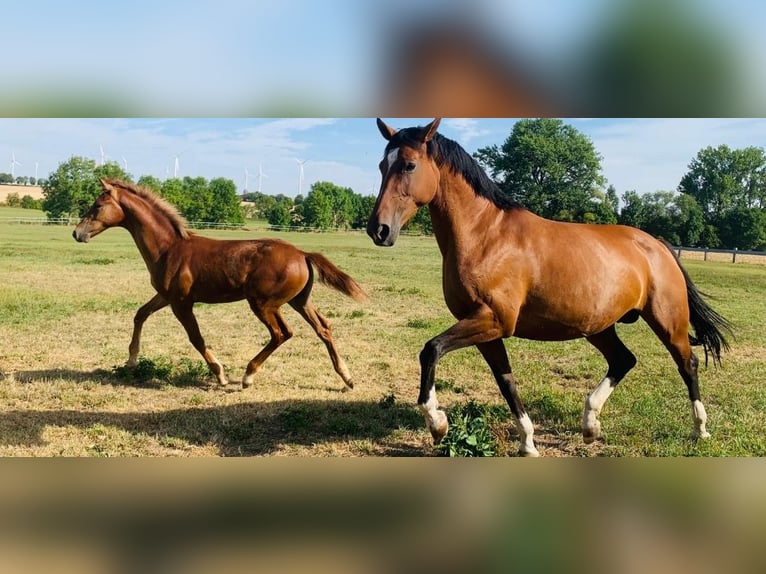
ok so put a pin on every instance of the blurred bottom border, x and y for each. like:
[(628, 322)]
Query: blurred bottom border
[(374, 515)]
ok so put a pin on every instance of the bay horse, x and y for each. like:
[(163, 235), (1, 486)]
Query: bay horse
[(186, 268), (507, 272)]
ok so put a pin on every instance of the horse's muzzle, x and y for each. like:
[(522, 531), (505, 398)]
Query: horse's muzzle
[(381, 234), (81, 237)]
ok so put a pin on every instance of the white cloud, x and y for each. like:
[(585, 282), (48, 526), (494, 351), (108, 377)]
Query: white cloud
[(468, 128)]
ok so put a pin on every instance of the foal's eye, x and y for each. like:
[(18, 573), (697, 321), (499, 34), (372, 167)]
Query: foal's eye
[(409, 167)]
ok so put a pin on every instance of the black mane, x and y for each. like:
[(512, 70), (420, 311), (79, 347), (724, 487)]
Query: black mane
[(449, 153)]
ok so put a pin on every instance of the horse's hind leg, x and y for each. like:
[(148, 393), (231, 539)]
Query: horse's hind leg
[(620, 361), (676, 340), (278, 329), (302, 304), (497, 358), (154, 304), (185, 314)]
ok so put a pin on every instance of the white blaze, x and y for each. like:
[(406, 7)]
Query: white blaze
[(391, 157)]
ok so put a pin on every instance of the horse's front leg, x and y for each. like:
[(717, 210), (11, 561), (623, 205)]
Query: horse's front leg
[(480, 328), (154, 304), (497, 358), (184, 313)]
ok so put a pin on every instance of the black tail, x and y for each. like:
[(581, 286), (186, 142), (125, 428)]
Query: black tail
[(708, 325)]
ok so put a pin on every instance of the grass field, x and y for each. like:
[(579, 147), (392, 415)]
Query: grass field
[(66, 313)]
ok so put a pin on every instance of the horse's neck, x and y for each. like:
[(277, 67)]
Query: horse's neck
[(153, 233), (459, 216)]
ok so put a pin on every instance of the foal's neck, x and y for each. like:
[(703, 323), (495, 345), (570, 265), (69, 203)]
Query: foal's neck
[(152, 231)]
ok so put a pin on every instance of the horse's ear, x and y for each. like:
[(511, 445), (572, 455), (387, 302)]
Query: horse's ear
[(386, 131), (430, 130), (108, 187)]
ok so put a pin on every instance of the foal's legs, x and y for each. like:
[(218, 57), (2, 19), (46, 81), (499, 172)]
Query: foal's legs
[(154, 304), (480, 328), (497, 358), (321, 326), (620, 361), (185, 314), (279, 331)]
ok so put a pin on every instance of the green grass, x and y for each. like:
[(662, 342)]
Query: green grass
[(66, 312)]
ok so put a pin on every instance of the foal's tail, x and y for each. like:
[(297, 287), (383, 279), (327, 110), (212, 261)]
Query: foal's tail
[(333, 277), (708, 324)]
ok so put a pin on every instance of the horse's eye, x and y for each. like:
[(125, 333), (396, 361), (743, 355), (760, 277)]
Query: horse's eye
[(409, 167)]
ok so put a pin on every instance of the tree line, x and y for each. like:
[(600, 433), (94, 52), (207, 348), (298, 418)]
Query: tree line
[(8, 179), (72, 188), (555, 171), (544, 164)]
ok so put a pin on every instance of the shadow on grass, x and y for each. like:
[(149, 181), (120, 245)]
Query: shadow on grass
[(187, 374), (257, 428)]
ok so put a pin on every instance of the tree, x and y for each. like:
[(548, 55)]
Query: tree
[(548, 166), (721, 179), (225, 202), (173, 191), (689, 220), (317, 208), (198, 199), (744, 228), (328, 206), (71, 189), (278, 215), (150, 182)]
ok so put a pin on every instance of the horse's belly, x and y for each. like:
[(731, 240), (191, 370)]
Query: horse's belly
[(542, 330)]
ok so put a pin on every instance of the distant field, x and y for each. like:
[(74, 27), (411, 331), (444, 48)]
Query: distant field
[(66, 312), (35, 191)]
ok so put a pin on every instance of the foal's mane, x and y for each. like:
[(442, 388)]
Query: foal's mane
[(449, 153), (157, 203)]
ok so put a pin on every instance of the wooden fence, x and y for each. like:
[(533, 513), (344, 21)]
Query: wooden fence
[(728, 255)]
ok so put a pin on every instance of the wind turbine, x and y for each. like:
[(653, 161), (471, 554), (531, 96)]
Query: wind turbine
[(37, 164), (300, 174), (126, 163), (247, 179), (176, 164), (103, 156), (14, 163), (261, 175)]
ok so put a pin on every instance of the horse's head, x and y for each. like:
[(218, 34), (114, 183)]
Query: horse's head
[(103, 214), (410, 179)]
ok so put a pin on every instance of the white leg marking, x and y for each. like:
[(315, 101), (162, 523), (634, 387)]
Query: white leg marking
[(526, 436), (591, 426), (700, 418), (436, 420)]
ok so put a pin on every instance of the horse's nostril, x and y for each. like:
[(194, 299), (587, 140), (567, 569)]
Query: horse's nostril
[(383, 231)]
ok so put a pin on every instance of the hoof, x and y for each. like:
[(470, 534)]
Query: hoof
[(697, 435), (349, 385), (529, 452), (438, 426), (591, 434)]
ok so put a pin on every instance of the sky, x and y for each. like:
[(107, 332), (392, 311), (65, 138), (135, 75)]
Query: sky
[(645, 155)]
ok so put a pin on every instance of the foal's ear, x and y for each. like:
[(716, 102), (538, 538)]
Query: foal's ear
[(386, 131), (430, 130), (108, 187)]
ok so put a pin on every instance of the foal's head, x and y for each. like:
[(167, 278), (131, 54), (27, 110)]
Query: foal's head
[(410, 179), (103, 214)]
